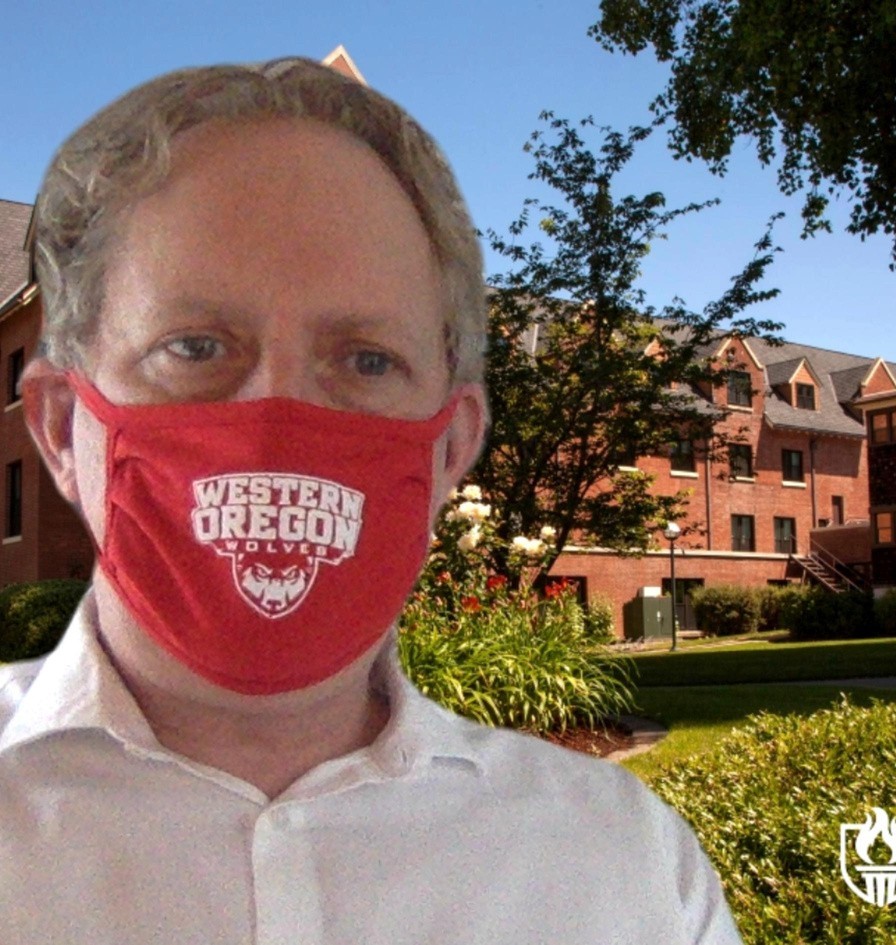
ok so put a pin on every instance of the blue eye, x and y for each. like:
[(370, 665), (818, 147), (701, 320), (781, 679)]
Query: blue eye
[(372, 363)]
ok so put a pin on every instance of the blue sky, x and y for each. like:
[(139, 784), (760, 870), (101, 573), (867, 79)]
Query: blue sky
[(476, 74)]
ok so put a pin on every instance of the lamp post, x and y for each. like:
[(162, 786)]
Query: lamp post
[(672, 533)]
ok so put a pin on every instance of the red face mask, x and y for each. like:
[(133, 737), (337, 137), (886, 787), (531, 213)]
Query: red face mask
[(265, 544)]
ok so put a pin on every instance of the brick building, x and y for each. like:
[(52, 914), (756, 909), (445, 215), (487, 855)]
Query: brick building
[(42, 536), (879, 405), (798, 481), (796, 484)]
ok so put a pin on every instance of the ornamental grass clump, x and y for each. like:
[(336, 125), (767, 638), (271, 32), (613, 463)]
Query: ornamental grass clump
[(767, 804), (487, 646)]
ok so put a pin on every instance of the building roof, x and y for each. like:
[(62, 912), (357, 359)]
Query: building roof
[(342, 62), (783, 371), (839, 375), (14, 265)]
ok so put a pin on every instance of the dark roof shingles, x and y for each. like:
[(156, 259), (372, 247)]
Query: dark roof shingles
[(14, 219)]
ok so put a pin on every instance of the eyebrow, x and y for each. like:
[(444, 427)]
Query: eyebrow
[(331, 321)]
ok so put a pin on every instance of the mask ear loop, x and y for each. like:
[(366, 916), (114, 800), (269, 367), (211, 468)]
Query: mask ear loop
[(102, 411)]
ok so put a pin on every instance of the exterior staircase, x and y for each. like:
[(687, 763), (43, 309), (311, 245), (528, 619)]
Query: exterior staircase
[(822, 568)]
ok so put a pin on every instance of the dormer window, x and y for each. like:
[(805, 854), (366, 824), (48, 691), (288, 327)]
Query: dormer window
[(805, 396), (740, 393)]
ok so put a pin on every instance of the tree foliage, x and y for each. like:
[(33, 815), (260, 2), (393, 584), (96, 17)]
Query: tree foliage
[(581, 371), (812, 79)]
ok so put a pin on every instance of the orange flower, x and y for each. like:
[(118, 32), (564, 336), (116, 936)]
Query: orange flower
[(495, 582), (470, 604)]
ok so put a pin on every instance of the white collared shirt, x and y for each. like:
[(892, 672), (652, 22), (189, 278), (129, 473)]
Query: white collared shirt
[(441, 832)]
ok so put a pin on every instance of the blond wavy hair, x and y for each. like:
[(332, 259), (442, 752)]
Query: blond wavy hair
[(123, 154)]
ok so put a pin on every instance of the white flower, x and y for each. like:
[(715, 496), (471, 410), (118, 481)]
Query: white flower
[(452, 495), (547, 533), (452, 516), (472, 492), (474, 511), (470, 540), (531, 547)]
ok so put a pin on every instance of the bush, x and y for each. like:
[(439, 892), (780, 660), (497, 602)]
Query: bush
[(767, 804), (885, 613), (34, 616), (513, 660), (600, 620), (818, 614), (773, 603), (726, 609), (485, 645)]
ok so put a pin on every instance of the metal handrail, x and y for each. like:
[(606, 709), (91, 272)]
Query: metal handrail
[(833, 562)]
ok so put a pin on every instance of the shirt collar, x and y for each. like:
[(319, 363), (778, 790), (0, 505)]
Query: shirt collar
[(77, 687), (419, 730)]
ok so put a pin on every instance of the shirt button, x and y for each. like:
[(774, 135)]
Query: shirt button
[(283, 818)]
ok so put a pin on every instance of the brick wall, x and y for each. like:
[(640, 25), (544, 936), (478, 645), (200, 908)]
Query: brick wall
[(18, 555), (53, 542), (850, 544), (620, 578)]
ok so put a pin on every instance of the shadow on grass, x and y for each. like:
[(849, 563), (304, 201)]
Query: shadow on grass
[(767, 662), (698, 717)]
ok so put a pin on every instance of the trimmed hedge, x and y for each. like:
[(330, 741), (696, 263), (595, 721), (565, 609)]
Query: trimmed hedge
[(767, 804), (809, 613), (817, 614), (885, 613), (34, 616), (727, 609)]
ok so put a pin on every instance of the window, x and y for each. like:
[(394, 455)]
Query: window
[(740, 391), (623, 456), (884, 523), (805, 396), (14, 369), (792, 465), (785, 536), (837, 516), (682, 456), (743, 533), (684, 610), (883, 426), (740, 458), (14, 499)]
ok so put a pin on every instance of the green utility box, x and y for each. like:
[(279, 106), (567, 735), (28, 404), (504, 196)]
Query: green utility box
[(647, 618)]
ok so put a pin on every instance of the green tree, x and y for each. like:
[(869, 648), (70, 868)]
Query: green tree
[(813, 80), (581, 371)]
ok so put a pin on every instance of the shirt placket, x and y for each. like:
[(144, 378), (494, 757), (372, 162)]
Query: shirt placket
[(286, 884)]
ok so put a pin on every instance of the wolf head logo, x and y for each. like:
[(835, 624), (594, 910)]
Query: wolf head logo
[(272, 588)]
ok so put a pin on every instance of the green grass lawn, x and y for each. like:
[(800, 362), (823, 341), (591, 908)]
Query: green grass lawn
[(698, 717), (764, 661)]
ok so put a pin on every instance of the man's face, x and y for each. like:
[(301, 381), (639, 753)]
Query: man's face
[(279, 258)]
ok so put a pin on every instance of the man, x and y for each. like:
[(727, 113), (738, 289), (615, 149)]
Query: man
[(262, 376)]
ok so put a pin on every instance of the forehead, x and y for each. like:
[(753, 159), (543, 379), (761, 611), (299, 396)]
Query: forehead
[(287, 168), (280, 203)]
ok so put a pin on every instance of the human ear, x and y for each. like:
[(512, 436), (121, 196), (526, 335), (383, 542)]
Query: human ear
[(48, 402), (462, 441)]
